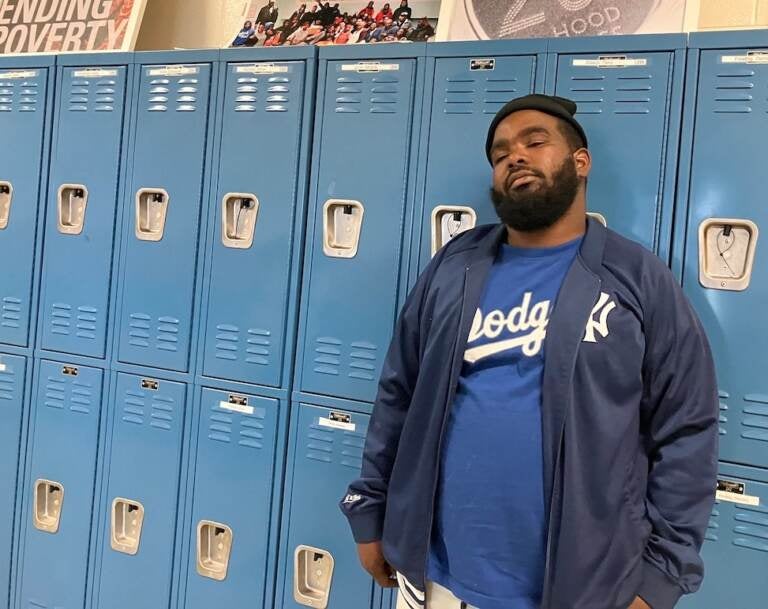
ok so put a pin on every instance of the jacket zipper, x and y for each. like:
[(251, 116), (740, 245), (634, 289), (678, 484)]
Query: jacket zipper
[(449, 401)]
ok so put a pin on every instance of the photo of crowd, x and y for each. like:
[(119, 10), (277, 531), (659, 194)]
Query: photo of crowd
[(323, 23)]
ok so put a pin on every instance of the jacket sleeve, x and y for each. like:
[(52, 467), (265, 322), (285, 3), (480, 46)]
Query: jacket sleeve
[(680, 423), (365, 501)]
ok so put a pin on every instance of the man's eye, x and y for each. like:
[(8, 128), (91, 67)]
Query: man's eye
[(536, 143)]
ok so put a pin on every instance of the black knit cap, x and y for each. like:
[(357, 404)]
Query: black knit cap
[(553, 105)]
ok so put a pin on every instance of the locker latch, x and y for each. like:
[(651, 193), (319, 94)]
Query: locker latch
[(313, 573), (238, 400), (6, 196), (69, 370), (72, 201), (449, 221), (214, 545), (599, 217), (726, 253), (151, 211), (340, 417), (49, 499), (238, 219), (150, 384), (127, 520), (342, 223)]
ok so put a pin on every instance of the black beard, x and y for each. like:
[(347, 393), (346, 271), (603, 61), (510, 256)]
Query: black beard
[(539, 209)]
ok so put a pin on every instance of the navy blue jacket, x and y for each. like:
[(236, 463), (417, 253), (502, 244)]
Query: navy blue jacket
[(629, 423)]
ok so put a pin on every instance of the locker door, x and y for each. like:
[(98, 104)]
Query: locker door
[(139, 518), (624, 107), (12, 379), (161, 226), (735, 550), (64, 428), (467, 94), (252, 240), (23, 95), (82, 200), (328, 455), (231, 514), (726, 186), (353, 266)]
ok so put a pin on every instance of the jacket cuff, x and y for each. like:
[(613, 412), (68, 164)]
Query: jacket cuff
[(366, 526), (657, 589)]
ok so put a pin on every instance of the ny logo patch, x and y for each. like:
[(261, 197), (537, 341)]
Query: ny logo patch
[(598, 319)]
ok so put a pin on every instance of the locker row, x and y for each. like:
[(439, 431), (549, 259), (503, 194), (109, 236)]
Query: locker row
[(203, 256)]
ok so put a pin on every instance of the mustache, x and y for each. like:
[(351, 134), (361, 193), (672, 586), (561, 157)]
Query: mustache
[(519, 173)]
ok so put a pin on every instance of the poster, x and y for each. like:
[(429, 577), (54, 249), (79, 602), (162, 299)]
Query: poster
[(486, 19), (52, 26), (291, 22)]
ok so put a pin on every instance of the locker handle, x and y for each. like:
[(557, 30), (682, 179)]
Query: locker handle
[(239, 214), (214, 545), (449, 221), (312, 576), (342, 225), (151, 211), (6, 197), (127, 521), (727, 253), (49, 500), (72, 201)]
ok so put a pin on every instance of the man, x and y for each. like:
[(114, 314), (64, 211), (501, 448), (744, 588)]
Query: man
[(300, 35), (545, 431), (267, 13)]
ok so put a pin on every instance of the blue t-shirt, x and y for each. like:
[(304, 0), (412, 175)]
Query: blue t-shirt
[(489, 534)]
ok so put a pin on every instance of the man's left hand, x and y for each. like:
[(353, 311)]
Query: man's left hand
[(639, 603)]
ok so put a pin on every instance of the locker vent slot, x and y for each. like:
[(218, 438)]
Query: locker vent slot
[(620, 92), (69, 392), (106, 95), (165, 331), (342, 447), (734, 90), (751, 527), (61, 318), (754, 421), (465, 94), (367, 93), (10, 314), (250, 432), (7, 384), (133, 407), (182, 91), (713, 526), (220, 426), (229, 346), (723, 417), (162, 413), (18, 95)]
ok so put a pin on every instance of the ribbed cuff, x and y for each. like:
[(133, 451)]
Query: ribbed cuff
[(657, 589)]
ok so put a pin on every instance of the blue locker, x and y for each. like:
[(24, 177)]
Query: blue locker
[(82, 204), (254, 246), (59, 486), (319, 562), (367, 103), (138, 512), (467, 83), (735, 550), (25, 93), (629, 92), (13, 371), (234, 470), (726, 276), (162, 209)]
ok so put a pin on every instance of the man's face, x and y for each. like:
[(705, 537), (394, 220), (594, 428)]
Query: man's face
[(387, 22), (535, 176)]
